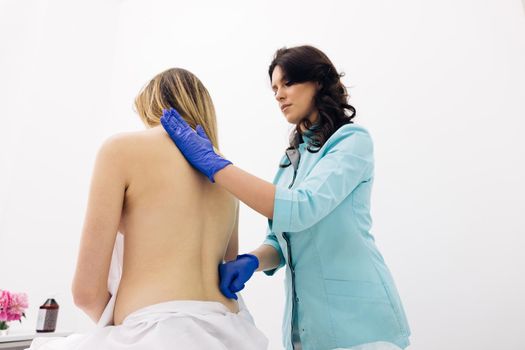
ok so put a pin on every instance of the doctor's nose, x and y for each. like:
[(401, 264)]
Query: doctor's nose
[(279, 94)]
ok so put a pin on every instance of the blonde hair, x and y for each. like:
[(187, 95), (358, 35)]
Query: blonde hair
[(180, 89)]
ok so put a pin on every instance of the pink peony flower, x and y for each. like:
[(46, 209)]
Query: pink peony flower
[(17, 306), (5, 301), (12, 305)]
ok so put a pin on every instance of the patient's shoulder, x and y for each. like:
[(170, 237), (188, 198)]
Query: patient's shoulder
[(126, 143), (138, 149), (119, 150), (117, 146), (119, 141), (122, 154)]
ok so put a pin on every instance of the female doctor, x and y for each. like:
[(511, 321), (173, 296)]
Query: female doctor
[(339, 291)]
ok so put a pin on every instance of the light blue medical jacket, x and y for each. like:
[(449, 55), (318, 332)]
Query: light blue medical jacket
[(339, 291)]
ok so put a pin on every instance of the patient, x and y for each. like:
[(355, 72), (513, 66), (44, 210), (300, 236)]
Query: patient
[(177, 228)]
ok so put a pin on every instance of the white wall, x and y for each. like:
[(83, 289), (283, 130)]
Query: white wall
[(439, 84)]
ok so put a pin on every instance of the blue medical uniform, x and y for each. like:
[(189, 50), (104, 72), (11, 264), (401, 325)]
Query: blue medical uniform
[(339, 291)]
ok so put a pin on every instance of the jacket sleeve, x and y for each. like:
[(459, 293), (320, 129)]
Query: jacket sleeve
[(347, 162), (272, 241)]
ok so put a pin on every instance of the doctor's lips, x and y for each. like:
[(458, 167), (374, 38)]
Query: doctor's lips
[(284, 106)]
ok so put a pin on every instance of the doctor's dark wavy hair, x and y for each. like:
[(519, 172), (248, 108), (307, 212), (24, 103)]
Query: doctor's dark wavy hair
[(308, 64)]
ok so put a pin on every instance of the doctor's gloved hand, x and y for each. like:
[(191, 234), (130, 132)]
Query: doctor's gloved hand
[(194, 145), (234, 274)]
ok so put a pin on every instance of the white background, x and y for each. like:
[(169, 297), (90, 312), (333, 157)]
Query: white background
[(439, 84)]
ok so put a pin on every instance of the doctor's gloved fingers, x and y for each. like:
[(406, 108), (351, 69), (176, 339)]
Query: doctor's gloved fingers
[(200, 131), (170, 113), (177, 118), (226, 276), (167, 118), (227, 292), (167, 123), (173, 129), (237, 285), (171, 119)]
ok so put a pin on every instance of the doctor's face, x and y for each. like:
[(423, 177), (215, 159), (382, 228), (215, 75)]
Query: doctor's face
[(296, 100)]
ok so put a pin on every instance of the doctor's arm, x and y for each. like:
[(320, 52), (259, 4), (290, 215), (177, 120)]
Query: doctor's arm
[(269, 258), (346, 163), (106, 197), (256, 193)]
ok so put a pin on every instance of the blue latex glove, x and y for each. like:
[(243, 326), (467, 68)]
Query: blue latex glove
[(195, 146), (234, 274)]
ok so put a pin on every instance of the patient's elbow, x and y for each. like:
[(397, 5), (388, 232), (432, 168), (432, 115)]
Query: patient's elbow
[(82, 297), (81, 300)]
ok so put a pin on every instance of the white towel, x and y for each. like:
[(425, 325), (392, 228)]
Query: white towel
[(115, 274)]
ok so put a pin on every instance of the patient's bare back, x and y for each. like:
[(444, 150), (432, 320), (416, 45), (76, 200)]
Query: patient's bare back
[(176, 227)]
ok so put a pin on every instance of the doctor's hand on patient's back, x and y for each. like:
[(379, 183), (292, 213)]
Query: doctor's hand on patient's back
[(194, 145), (234, 274)]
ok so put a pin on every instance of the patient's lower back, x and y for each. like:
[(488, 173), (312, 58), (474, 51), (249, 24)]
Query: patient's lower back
[(176, 227)]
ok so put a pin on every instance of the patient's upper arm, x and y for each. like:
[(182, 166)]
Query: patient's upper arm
[(101, 222)]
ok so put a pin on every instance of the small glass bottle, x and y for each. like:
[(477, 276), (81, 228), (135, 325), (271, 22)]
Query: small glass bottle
[(47, 316)]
